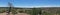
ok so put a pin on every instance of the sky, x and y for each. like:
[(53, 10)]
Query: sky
[(31, 3)]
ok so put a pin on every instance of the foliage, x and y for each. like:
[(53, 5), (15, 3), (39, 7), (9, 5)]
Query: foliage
[(20, 11), (2, 11), (35, 11), (47, 13), (58, 12), (13, 11), (28, 11)]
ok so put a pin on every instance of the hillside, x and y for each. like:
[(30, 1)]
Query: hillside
[(51, 10)]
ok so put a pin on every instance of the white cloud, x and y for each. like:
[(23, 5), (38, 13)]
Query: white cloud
[(32, 6), (39, 6)]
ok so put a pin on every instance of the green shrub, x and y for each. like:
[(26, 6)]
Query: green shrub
[(28, 12), (20, 11), (2, 11)]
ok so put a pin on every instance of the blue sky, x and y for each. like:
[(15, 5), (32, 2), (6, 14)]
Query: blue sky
[(31, 3)]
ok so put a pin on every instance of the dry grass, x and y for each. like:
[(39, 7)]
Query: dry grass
[(15, 14)]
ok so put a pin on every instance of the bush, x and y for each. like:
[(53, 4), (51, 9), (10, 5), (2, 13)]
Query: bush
[(28, 12), (20, 11), (2, 11), (14, 12)]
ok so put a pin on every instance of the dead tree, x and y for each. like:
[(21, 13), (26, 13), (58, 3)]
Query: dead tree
[(10, 7)]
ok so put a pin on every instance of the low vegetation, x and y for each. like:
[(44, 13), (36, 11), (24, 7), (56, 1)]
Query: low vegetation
[(35, 11)]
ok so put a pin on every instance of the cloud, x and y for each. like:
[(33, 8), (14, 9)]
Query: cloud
[(31, 6), (39, 6)]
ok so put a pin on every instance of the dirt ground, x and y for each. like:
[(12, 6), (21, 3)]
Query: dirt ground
[(15, 14)]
